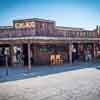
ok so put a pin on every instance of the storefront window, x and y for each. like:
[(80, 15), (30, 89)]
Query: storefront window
[(44, 49)]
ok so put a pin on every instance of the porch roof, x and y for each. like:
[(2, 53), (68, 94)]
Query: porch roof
[(48, 38)]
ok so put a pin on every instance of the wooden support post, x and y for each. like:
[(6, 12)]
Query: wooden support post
[(70, 53), (29, 57), (94, 52), (12, 55), (6, 60)]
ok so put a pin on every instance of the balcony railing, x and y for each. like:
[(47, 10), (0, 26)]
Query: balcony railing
[(9, 33)]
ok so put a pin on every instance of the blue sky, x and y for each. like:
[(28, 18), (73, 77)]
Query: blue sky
[(70, 13)]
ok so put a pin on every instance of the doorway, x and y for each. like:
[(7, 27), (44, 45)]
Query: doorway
[(56, 59)]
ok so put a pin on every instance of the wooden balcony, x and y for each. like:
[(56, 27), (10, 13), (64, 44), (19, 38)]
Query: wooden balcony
[(65, 35)]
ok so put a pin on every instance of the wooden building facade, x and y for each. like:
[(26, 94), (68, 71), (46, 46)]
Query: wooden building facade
[(38, 41)]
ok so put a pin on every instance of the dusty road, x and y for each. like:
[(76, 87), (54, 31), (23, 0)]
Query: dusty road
[(82, 84)]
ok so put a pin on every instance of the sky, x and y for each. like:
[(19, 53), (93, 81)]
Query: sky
[(70, 13)]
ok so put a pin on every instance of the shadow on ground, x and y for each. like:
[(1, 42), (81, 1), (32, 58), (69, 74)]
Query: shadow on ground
[(20, 73)]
